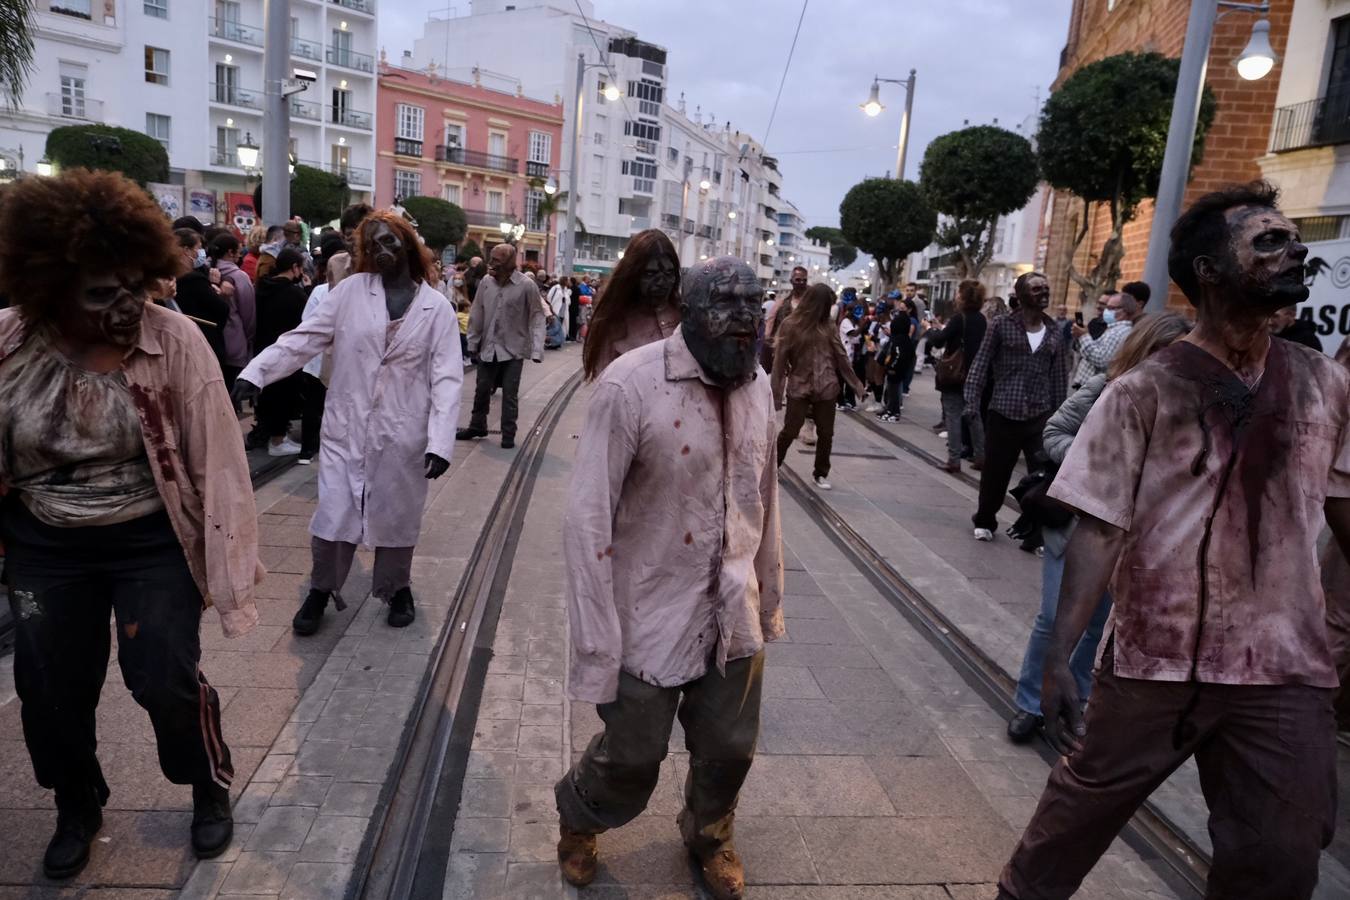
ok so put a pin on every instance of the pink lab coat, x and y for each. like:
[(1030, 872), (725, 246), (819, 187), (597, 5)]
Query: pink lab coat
[(386, 408)]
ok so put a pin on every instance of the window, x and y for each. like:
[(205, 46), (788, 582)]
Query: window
[(454, 135), (157, 9), (496, 201), (541, 147), (640, 168), (673, 154), (649, 131), (600, 91), (227, 146), (1321, 228), (452, 193), (73, 76), (649, 95), (156, 65), (341, 156), (496, 143), (599, 139), (407, 184), (157, 126), (80, 9), (533, 221), (409, 120)]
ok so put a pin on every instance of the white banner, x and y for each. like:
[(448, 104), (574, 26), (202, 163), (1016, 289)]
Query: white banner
[(1328, 303)]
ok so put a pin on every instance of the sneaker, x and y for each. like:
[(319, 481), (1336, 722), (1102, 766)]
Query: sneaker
[(305, 458), (984, 535), (577, 856), (212, 823), (872, 407), (822, 483), (287, 447), (942, 434), (401, 612), (307, 619), (839, 407)]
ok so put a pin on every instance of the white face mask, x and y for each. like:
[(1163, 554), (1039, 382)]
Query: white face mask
[(201, 257), (1109, 317)]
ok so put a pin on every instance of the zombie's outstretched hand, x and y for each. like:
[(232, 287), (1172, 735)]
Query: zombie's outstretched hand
[(244, 390), (436, 466), (1062, 708)]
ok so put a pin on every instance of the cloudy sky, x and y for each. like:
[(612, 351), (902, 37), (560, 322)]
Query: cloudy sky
[(977, 60)]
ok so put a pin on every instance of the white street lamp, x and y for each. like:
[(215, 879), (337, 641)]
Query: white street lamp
[(704, 185), (873, 105), (1258, 58), (731, 214), (612, 92), (248, 152), (873, 108), (44, 167), (551, 186)]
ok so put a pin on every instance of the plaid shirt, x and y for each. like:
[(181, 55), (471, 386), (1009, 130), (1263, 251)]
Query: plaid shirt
[(1095, 355), (1026, 384)]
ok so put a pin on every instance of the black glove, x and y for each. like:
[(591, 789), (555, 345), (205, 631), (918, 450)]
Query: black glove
[(244, 390), (436, 466)]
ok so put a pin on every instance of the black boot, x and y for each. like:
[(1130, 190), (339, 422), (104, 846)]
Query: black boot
[(469, 434), (401, 612), (306, 621), (79, 816), (212, 824)]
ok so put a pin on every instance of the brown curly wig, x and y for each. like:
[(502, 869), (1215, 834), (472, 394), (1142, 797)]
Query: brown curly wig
[(52, 229), (419, 257)]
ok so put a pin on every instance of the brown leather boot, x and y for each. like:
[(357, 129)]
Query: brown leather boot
[(577, 856), (723, 873)]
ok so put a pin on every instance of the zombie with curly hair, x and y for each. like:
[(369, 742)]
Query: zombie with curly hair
[(125, 491)]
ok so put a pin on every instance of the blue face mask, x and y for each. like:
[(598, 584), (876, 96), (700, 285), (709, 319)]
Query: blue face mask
[(201, 257), (1109, 317)]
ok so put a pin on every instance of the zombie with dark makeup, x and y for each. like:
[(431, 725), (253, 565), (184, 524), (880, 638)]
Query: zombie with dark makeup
[(779, 312), (125, 491), (1203, 477), (389, 413), (640, 304), (675, 574)]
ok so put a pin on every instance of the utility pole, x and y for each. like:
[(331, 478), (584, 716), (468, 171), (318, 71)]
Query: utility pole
[(904, 126), (276, 113), (568, 237)]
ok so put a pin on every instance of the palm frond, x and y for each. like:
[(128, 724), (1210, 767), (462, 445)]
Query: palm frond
[(16, 48)]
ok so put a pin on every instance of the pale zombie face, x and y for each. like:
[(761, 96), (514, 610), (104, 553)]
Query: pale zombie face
[(107, 309), (1263, 264), (385, 248), (1034, 293), (658, 279), (723, 309)]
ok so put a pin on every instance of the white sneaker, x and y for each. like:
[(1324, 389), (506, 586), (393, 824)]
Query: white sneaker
[(984, 535), (872, 407), (942, 435), (287, 447), (822, 483)]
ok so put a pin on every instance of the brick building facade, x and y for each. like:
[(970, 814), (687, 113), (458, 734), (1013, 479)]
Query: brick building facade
[(1240, 133)]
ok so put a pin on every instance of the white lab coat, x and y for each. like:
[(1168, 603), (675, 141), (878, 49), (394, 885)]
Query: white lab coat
[(385, 410), (559, 303)]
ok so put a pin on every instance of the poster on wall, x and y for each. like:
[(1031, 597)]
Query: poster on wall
[(240, 216), (202, 204), (169, 196), (1328, 303)]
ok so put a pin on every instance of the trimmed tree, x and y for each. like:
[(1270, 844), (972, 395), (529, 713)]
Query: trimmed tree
[(137, 156), (973, 176), (889, 219), (842, 253), (317, 196), (440, 222), (467, 251), (1102, 137)]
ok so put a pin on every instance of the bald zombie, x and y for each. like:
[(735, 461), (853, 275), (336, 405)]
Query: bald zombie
[(675, 574)]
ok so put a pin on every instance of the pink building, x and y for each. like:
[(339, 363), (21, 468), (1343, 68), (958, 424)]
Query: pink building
[(490, 152)]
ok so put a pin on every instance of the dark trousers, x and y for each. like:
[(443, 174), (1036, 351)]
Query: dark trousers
[(312, 396), (1267, 761), (822, 412), (278, 403), (573, 320), (1004, 439), (895, 399), (231, 374), (489, 377), (612, 782), (63, 583)]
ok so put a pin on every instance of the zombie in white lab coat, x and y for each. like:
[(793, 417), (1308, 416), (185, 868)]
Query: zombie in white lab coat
[(389, 418)]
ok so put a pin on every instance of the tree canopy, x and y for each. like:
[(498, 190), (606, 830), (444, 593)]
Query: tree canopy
[(316, 196), (973, 176), (1102, 137), (842, 253), (889, 219), (468, 250), (137, 156), (440, 222)]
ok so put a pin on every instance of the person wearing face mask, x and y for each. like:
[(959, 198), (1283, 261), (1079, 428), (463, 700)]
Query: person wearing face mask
[(281, 306), (1095, 354), (197, 298), (391, 335), (1226, 452), (639, 305), (674, 496), (124, 491)]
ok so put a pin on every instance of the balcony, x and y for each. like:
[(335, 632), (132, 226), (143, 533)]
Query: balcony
[(226, 157), (358, 5), (83, 108), (644, 186), (1315, 123), (306, 109), (349, 118), (407, 147), (536, 169), (670, 220), (310, 50), (231, 95), (485, 218), (352, 174), (229, 30), (458, 156), (350, 59)]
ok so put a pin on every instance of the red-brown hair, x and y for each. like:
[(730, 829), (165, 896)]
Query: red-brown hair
[(419, 257), (622, 292)]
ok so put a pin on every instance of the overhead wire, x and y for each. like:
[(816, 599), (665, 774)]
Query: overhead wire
[(782, 81)]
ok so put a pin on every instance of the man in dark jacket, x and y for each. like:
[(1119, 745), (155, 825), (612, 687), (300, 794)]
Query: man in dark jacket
[(1287, 325), (281, 303), (198, 299)]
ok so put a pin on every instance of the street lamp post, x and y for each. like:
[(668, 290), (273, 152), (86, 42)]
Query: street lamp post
[(1255, 62), (873, 108), (612, 93)]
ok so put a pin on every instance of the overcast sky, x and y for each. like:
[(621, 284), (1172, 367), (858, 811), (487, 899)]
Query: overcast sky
[(976, 59)]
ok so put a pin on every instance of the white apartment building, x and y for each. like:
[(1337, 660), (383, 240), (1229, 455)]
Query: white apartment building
[(189, 73), (1309, 158), (692, 203), (796, 249)]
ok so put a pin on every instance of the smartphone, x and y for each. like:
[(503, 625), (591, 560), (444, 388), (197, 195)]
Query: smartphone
[(1078, 318)]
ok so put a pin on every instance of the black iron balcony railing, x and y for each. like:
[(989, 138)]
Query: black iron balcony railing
[(1314, 123), (485, 218), (340, 56), (407, 147), (461, 157), (536, 169), (231, 30)]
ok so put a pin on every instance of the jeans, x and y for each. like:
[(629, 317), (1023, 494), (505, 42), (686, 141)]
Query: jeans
[(822, 412), (953, 408), (1004, 439), (1028, 696), (504, 374)]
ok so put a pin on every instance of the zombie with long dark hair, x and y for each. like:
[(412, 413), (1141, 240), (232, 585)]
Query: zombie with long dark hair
[(125, 491), (640, 303), (389, 414)]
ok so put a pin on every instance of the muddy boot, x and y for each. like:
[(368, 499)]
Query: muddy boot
[(577, 856), (79, 816), (722, 872), (307, 619)]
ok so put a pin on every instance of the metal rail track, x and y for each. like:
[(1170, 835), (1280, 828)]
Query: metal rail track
[(1150, 832), (405, 857)]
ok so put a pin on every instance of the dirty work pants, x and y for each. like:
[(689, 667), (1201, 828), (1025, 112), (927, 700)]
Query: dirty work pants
[(1267, 761), (612, 782), (333, 561), (1004, 439), (312, 396), (489, 377), (822, 411), (63, 584)]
